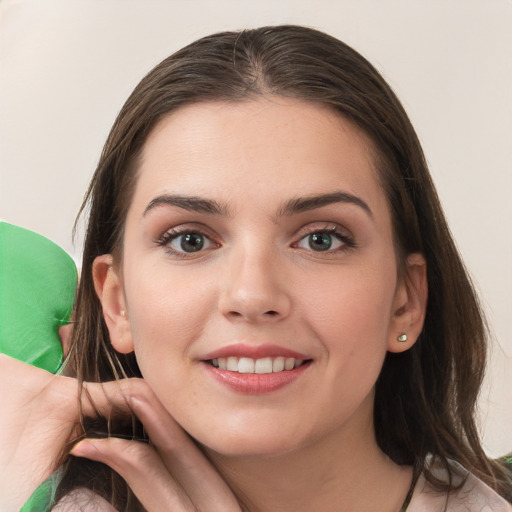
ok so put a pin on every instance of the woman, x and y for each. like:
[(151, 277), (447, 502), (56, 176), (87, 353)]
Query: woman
[(263, 235)]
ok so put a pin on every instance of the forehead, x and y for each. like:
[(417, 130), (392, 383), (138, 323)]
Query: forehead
[(271, 145)]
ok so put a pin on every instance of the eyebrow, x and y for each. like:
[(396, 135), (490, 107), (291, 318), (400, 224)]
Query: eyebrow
[(304, 204), (191, 203), (291, 207)]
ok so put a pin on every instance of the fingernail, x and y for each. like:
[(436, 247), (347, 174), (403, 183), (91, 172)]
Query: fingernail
[(80, 449)]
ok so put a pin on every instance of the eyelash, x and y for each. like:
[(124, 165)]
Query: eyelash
[(173, 234), (347, 240)]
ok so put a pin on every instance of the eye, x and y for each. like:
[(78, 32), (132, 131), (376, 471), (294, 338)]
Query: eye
[(189, 242), (185, 242), (325, 240)]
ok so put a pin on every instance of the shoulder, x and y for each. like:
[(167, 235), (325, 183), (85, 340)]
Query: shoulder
[(83, 500), (473, 496)]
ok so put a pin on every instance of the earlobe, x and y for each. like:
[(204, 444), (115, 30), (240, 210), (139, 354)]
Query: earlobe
[(410, 305), (109, 289)]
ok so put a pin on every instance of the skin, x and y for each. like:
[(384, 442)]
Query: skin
[(258, 279), (42, 415), (311, 444)]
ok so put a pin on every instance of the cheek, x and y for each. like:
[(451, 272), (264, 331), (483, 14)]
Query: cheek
[(166, 315), (351, 317), (351, 305)]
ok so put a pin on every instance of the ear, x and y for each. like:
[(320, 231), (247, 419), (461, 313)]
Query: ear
[(409, 305), (109, 288)]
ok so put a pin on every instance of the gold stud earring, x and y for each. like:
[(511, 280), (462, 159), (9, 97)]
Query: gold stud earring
[(402, 338)]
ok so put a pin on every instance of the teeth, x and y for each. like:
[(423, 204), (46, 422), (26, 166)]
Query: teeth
[(263, 365), (245, 365), (289, 363), (260, 366), (232, 364), (278, 364)]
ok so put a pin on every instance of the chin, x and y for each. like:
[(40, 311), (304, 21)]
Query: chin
[(254, 441), (250, 449)]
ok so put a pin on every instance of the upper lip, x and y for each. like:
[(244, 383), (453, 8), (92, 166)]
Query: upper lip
[(253, 352)]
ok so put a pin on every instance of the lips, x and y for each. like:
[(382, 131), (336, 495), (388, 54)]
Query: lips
[(254, 352), (256, 369)]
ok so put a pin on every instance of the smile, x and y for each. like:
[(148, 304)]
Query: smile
[(258, 366), (244, 379)]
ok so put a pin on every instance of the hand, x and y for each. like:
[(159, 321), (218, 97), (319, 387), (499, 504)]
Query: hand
[(171, 474), (40, 413)]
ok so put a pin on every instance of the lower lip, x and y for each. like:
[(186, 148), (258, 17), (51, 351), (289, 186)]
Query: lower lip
[(254, 383)]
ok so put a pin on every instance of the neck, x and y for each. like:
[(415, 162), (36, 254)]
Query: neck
[(337, 473)]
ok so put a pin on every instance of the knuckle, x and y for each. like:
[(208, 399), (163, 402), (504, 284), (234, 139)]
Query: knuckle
[(135, 390), (131, 455)]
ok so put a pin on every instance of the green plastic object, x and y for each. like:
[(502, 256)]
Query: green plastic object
[(37, 291), (42, 499)]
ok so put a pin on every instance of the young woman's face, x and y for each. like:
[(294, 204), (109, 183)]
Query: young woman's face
[(259, 237)]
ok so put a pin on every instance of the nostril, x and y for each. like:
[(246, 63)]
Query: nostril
[(272, 313)]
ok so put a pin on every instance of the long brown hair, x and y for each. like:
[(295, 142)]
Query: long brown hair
[(425, 397)]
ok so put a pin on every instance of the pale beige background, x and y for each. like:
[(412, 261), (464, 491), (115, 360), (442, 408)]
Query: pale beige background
[(66, 66)]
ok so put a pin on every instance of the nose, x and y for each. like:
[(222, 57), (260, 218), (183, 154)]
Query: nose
[(255, 290)]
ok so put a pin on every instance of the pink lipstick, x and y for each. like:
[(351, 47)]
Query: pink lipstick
[(255, 370)]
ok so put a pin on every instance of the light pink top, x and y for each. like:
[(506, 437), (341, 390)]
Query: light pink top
[(474, 496)]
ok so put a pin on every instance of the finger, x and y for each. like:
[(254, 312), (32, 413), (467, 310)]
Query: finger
[(181, 456), (38, 413), (104, 398), (143, 470)]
